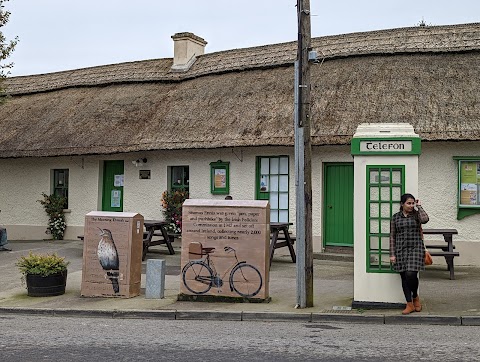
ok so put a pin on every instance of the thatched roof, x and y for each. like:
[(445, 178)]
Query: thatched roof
[(427, 76)]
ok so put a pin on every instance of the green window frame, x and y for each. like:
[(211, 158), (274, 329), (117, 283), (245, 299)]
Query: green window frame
[(385, 186), (220, 178), (468, 186), (60, 184), (272, 184), (179, 178)]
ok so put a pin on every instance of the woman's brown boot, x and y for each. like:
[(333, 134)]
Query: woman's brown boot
[(416, 304), (409, 308)]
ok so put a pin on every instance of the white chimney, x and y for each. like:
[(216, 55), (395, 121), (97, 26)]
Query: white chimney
[(186, 48)]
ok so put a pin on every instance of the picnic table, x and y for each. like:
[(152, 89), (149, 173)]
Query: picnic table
[(279, 241), (445, 250), (156, 234)]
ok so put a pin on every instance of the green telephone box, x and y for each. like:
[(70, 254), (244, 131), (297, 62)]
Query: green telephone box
[(385, 166)]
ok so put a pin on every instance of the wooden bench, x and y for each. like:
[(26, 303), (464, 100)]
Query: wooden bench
[(280, 237), (156, 234), (281, 244), (446, 249), (443, 247)]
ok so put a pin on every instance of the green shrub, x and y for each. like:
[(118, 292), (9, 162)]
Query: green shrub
[(172, 202), (41, 264), (53, 205)]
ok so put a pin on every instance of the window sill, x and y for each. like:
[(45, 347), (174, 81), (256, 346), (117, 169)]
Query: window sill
[(464, 212)]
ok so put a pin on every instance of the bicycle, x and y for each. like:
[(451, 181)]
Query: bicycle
[(199, 276)]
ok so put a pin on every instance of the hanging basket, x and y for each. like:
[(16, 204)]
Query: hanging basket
[(40, 286)]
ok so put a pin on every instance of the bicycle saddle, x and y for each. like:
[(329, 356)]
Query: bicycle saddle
[(208, 250)]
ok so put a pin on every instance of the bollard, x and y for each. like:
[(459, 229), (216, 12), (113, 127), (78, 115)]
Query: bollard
[(155, 279)]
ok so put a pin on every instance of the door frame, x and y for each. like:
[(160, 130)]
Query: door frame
[(324, 200), (104, 180)]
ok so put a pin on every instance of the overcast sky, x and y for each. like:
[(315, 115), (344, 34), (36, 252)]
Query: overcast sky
[(58, 35)]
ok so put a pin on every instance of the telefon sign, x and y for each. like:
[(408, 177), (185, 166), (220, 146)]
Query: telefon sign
[(386, 146)]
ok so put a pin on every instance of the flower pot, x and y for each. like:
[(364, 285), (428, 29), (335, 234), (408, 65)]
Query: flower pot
[(40, 286)]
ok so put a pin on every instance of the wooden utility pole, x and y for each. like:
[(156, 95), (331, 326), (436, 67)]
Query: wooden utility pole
[(303, 159)]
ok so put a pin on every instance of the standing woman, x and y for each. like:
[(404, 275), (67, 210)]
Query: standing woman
[(407, 251)]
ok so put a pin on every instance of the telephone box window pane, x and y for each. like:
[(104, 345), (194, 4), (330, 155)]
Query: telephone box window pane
[(385, 226), (374, 193), (396, 193), (385, 261), (385, 210), (396, 177), (374, 210), (374, 226), (374, 243), (386, 243), (385, 196), (374, 260), (385, 177), (374, 178)]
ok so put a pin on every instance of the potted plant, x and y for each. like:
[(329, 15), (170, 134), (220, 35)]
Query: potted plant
[(44, 274), (53, 205)]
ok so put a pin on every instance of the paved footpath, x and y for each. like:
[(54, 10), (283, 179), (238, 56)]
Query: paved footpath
[(445, 301)]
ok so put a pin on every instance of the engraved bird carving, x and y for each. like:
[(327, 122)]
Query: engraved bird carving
[(108, 257)]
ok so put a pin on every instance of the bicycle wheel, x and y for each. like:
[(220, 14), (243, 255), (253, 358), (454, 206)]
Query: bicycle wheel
[(197, 277), (246, 280)]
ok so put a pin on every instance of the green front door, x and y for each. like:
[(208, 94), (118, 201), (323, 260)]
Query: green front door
[(338, 204), (112, 195)]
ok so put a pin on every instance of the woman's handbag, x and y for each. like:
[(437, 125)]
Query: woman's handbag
[(428, 258)]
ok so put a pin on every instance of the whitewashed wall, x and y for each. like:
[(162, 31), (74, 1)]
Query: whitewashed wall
[(438, 182), (23, 180)]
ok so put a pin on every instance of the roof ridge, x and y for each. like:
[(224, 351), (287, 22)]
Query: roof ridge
[(386, 41)]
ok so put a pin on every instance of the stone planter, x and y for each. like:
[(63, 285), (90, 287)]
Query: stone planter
[(40, 286)]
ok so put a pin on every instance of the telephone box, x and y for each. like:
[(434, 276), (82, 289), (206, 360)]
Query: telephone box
[(385, 166)]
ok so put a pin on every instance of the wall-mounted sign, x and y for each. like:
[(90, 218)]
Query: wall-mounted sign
[(144, 174), (115, 200), (385, 146), (220, 177), (468, 186), (469, 183), (118, 181)]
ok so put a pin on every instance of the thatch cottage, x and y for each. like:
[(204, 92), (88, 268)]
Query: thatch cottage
[(114, 137)]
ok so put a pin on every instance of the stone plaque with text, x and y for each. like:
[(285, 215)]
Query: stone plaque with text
[(225, 247)]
